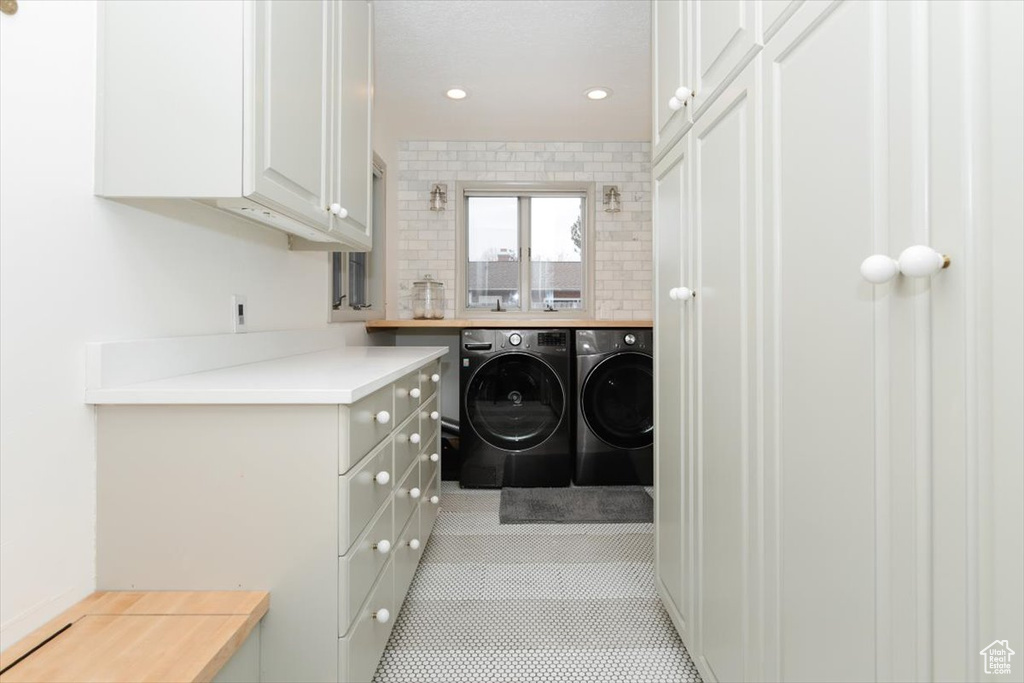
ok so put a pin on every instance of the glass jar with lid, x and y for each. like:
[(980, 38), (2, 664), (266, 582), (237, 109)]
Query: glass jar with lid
[(428, 299)]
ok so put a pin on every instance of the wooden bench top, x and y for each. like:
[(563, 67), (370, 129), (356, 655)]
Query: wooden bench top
[(138, 636)]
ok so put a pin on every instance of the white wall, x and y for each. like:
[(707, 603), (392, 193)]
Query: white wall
[(74, 269), (426, 239)]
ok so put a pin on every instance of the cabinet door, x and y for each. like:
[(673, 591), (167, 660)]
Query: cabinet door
[(287, 112), (352, 155), (671, 377), (724, 38), (724, 176), (669, 20)]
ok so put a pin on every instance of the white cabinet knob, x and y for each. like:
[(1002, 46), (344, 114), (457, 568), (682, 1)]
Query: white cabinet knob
[(382, 477), (414, 393), (674, 104), (382, 547), (922, 261), (414, 493), (382, 615), (434, 457), (879, 268), (681, 294), (414, 544), (435, 500), (683, 93), (383, 417), (434, 415), (435, 378), (339, 210), (414, 438)]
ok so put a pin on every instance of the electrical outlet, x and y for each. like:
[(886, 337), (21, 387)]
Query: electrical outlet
[(239, 312)]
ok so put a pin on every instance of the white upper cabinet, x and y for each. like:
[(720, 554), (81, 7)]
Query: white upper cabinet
[(671, 73), (264, 110), (724, 38)]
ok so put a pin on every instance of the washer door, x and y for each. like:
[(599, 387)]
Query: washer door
[(618, 400), (515, 401)]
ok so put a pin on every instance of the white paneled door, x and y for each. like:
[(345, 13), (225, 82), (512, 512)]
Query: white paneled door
[(840, 472)]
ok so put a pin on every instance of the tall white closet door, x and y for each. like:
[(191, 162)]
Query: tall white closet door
[(669, 21), (672, 436), (725, 177), (828, 342), (287, 122)]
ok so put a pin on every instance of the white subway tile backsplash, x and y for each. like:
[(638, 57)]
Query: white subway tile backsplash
[(623, 265)]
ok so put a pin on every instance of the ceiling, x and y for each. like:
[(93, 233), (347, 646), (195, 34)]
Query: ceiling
[(525, 64)]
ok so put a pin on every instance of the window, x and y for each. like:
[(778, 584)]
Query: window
[(357, 277), (525, 249)]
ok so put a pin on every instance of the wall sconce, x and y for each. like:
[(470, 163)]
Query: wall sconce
[(438, 197), (612, 199)]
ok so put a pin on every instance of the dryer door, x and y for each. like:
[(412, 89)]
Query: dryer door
[(618, 400), (515, 401)]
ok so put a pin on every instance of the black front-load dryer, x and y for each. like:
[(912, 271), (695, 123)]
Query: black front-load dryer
[(615, 408), (515, 408)]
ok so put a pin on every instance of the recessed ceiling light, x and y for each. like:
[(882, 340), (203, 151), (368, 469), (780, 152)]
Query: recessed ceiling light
[(456, 94), (598, 93)]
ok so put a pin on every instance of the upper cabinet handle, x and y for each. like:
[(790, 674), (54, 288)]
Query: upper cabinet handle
[(917, 261), (678, 100), (339, 210)]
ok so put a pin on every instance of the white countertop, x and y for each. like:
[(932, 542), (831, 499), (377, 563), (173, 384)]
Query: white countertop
[(341, 375)]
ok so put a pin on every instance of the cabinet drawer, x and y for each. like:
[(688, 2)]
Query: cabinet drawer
[(430, 417), (408, 443), (361, 429), (429, 509), (407, 494), (361, 493), (360, 567), (407, 396), (407, 557), (428, 383), (360, 650)]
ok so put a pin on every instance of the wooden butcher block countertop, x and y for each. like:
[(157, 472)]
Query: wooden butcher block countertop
[(138, 636)]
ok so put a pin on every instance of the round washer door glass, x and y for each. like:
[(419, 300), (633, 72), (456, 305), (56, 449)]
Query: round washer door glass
[(618, 400), (515, 401)]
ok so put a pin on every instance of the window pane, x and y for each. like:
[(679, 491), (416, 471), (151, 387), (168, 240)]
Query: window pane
[(492, 251), (357, 279), (556, 253)]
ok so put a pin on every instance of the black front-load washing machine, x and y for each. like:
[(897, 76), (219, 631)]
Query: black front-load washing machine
[(515, 408), (615, 407)]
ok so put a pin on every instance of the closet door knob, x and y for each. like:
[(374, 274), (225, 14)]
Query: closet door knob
[(414, 438), (434, 415), (681, 294), (879, 269), (382, 477), (339, 210), (414, 544), (435, 500), (382, 615), (922, 261), (382, 547), (435, 378), (683, 93), (674, 104), (414, 493), (383, 417), (414, 393), (434, 457)]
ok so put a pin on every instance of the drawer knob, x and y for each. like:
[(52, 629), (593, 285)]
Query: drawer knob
[(435, 500), (414, 393), (382, 477), (338, 210), (414, 438), (383, 417), (434, 415), (382, 615), (383, 547), (435, 378), (414, 492), (434, 457), (414, 544)]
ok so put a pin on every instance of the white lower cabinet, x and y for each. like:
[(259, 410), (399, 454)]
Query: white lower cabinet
[(205, 497), (831, 453)]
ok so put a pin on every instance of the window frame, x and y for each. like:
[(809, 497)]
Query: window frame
[(376, 262), (522, 190)]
